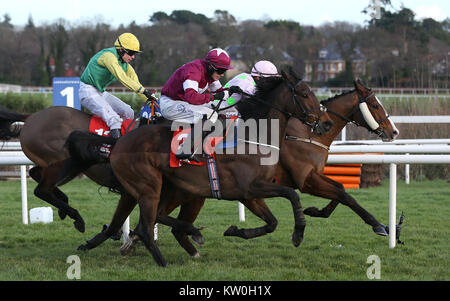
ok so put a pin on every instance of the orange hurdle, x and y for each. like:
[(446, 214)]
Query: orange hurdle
[(349, 175)]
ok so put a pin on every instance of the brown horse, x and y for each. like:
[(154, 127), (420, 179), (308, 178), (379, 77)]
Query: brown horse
[(302, 160), (304, 155), (140, 161), (42, 139)]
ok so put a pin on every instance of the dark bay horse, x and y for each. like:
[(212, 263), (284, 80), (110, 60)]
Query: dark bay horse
[(42, 139), (140, 162), (302, 160)]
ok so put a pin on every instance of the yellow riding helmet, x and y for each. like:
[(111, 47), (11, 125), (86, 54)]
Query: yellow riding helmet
[(127, 41)]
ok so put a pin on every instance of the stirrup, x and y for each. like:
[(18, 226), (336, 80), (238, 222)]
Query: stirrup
[(115, 133), (189, 157)]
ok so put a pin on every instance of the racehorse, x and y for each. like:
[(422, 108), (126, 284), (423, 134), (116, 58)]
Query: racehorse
[(302, 161), (42, 139), (304, 156), (140, 159)]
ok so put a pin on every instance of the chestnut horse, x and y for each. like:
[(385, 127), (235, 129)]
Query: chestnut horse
[(140, 159), (302, 161)]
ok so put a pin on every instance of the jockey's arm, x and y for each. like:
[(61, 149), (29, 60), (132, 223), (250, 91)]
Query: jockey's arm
[(192, 95), (128, 79)]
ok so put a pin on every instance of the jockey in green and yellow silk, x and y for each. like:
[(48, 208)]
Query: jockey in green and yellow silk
[(105, 67)]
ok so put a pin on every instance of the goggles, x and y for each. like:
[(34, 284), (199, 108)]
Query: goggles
[(219, 70)]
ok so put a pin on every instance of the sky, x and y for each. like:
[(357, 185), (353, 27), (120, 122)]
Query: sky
[(305, 12)]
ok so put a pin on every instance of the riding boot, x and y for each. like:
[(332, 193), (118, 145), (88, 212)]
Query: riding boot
[(188, 154), (196, 146), (115, 133)]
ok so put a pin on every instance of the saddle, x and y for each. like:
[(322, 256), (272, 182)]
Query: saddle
[(209, 145), (209, 148), (99, 127)]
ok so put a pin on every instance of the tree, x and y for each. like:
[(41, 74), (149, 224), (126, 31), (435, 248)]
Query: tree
[(186, 16), (160, 18), (289, 25), (6, 21)]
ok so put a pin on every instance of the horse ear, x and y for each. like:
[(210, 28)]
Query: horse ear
[(287, 75), (357, 82)]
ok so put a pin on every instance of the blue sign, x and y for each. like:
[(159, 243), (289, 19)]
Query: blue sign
[(65, 92)]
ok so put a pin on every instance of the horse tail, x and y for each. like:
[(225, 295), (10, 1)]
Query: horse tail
[(7, 118), (85, 150)]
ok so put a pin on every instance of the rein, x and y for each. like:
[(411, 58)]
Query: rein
[(362, 103), (288, 114)]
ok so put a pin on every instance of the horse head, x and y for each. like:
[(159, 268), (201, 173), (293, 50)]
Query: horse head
[(372, 115), (306, 107)]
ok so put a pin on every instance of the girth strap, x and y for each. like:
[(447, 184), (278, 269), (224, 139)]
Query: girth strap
[(307, 141), (213, 178)]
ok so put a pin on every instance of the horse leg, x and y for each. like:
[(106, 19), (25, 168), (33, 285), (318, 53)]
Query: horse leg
[(324, 212), (180, 226), (45, 191), (36, 174), (188, 213), (262, 189), (124, 208), (148, 210), (322, 186), (259, 208)]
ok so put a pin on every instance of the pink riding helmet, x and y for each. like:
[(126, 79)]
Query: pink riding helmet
[(219, 58), (264, 69)]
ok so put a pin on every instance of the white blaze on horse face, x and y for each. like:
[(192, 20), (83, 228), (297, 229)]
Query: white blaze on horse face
[(368, 116), (390, 120)]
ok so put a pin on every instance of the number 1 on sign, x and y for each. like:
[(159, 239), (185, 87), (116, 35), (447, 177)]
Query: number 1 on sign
[(69, 93)]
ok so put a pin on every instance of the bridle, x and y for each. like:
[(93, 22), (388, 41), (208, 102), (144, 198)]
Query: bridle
[(305, 111), (297, 102), (374, 125)]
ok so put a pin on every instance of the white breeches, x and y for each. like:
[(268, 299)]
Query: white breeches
[(110, 108), (182, 111)]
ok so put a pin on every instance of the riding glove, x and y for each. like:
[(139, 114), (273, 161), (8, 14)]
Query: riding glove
[(149, 94), (235, 89), (219, 95)]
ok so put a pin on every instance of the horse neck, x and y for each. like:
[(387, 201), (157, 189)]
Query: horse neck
[(282, 125), (342, 105)]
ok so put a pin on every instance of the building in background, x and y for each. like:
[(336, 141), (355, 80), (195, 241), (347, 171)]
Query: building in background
[(330, 62)]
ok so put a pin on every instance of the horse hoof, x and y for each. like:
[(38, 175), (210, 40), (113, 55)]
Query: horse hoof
[(62, 214), (127, 249), (196, 255), (129, 245), (231, 231), (83, 247), (296, 239), (311, 211), (380, 230), (198, 239), (79, 225)]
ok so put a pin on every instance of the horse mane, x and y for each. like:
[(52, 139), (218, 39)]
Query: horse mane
[(325, 101), (251, 107)]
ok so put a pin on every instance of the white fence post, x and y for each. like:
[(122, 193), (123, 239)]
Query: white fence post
[(126, 230), (392, 204), (407, 172), (241, 212), (23, 184)]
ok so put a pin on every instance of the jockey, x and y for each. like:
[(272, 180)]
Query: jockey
[(185, 97), (105, 67), (247, 83)]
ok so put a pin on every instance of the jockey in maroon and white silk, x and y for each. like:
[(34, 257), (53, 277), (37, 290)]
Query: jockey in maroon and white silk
[(192, 88)]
